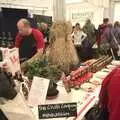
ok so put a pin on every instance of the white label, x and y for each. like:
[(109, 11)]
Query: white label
[(38, 92)]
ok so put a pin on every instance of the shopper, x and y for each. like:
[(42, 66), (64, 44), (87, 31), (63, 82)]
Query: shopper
[(72, 34), (43, 27), (90, 30), (82, 43), (29, 41), (116, 36), (116, 31), (107, 40), (101, 30), (111, 101), (73, 29), (79, 35)]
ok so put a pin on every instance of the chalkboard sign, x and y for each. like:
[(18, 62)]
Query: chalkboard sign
[(57, 110)]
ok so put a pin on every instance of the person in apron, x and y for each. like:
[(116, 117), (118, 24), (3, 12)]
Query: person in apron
[(29, 41)]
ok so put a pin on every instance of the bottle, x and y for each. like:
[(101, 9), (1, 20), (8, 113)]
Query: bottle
[(18, 76), (1, 56), (10, 41), (0, 40), (4, 40)]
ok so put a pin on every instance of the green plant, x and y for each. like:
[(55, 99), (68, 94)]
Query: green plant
[(42, 68)]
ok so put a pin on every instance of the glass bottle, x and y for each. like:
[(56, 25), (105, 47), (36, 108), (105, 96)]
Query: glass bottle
[(4, 40), (0, 40), (18, 76), (10, 41)]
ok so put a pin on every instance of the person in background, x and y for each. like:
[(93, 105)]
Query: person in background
[(79, 35), (106, 40), (29, 41), (116, 35), (90, 30), (72, 34), (81, 42), (116, 31), (73, 29), (111, 89), (43, 27), (101, 30)]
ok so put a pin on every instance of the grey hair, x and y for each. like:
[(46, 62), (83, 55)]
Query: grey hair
[(25, 21)]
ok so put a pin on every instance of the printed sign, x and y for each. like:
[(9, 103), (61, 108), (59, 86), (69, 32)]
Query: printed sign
[(38, 91), (13, 61), (57, 110), (82, 16)]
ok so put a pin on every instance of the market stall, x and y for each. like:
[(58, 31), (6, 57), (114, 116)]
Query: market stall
[(55, 85), (84, 99), (85, 96)]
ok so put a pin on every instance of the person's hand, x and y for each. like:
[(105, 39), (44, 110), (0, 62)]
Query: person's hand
[(24, 66)]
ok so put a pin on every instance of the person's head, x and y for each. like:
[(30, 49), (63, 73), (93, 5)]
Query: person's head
[(73, 29), (106, 20), (116, 24), (77, 26), (24, 27), (43, 26), (88, 21)]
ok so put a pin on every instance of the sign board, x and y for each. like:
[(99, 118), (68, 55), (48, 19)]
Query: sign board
[(82, 16), (57, 110), (38, 91), (11, 59)]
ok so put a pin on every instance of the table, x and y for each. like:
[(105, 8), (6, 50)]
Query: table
[(84, 101)]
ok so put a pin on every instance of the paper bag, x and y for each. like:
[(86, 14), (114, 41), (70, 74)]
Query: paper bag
[(17, 109)]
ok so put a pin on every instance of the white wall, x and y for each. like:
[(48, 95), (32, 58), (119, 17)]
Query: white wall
[(34, 6), (117, 12), (79, 12)]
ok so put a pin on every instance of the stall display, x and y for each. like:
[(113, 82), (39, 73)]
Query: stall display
[(87, 79), (10, 60), (42, 68), (62, 51), (85, 73), (95, 81), (88, 87), (96, 65), (6, 40)]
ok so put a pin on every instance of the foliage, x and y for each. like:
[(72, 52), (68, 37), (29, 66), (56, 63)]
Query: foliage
[(42, 68)]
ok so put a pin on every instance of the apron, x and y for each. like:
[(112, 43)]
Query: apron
[(28, 47)]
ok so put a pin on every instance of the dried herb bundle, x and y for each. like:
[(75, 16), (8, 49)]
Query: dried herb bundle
[(61, 50)]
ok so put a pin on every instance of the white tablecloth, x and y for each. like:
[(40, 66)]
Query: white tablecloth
[(84, 101)]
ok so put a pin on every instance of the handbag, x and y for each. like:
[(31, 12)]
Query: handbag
[(97, 112)]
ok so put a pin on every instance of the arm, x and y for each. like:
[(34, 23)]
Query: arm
[(18, 40), (36, 56), (40, 45), (83, 36)]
